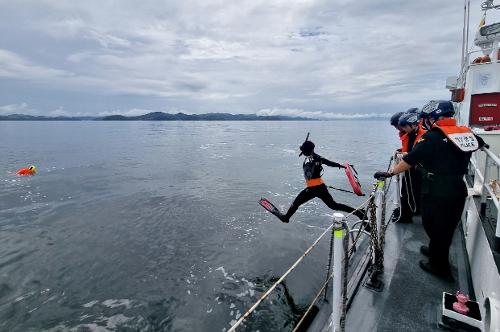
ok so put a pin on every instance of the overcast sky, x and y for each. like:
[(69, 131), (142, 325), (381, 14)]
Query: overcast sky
[(319, 58)]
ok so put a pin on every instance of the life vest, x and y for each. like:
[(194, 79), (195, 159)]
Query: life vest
[(314, 182), (405, 138), (421, 131), (462, 137), (312, 172)]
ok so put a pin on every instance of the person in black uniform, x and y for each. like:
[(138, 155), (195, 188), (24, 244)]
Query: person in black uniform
[(313, 170), (442, 155), (408, 206), (410, 182)]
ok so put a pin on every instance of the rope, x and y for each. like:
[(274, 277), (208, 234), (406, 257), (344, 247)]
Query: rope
[(266, 294), (358, 208), (325, 285), (339, 189), (348, 252), (409, 191)]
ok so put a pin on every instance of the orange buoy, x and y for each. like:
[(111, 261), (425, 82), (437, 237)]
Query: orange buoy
[(27, 171)]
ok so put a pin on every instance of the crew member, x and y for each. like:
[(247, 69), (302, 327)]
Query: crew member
[(395, 123), (442, 155), (316, 187), (410, 181), (27, 171)]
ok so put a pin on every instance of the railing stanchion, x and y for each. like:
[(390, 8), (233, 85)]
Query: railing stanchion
[(338, 256), (484, 194)]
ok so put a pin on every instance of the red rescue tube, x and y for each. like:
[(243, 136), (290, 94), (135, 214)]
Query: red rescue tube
[(353, 179)]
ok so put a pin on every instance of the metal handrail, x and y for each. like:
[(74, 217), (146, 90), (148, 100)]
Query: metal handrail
[(486, 189)]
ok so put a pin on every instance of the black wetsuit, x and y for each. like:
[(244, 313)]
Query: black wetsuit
[(410, 188), (312, 170), (443, 191)]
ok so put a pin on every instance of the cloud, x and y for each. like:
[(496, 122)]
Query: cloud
[(24, 108), (334, 56), (321, 115), (17, 109), (13, 66)]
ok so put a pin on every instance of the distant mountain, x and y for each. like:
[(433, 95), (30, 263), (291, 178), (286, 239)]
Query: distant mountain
[(157, 116), (160, 116)]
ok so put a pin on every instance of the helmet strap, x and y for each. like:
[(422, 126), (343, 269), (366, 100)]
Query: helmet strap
[(427, 124)]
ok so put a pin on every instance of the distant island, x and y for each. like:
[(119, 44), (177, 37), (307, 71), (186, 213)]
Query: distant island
[(158, 116)]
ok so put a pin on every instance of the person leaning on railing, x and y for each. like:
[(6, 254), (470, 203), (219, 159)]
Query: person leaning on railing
[(410, 192), (442, 155)]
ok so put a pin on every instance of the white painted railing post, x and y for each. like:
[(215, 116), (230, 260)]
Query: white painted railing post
[(379, 202), (484, 193), (397, 190), (338, 257)]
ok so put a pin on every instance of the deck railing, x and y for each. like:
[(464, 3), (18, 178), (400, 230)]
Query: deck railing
[(488, 184), (340, 252)]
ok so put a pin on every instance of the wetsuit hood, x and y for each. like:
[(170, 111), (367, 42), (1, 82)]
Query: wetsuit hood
[(306, 148)]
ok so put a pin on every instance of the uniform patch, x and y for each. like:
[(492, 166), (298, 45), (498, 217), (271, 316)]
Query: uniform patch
[(466, 142)]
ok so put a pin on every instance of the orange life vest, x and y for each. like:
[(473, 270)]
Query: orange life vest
[(461, 136), (314, 182), (404, 141), (405, 138)]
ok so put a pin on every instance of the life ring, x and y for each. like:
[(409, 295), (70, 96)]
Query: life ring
[(353, 179)]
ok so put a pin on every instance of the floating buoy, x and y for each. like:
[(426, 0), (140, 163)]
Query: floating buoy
[(27, 171)]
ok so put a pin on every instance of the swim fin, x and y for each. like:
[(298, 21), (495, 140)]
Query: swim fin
[(264, 202)]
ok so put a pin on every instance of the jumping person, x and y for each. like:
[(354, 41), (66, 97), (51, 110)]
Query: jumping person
[(316, 187)]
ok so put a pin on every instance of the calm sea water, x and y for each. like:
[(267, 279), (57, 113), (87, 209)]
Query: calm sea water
[(155, 226)]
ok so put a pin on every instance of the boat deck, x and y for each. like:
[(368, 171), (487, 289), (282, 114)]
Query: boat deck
[(411, 298)]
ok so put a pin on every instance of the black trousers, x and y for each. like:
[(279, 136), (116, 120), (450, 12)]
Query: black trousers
[(410, 195), (440, 217), (322, 193)]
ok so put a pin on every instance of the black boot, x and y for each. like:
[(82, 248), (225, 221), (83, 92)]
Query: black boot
[(444, 274)]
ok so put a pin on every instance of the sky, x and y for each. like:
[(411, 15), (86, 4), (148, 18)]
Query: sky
[(321, 59)]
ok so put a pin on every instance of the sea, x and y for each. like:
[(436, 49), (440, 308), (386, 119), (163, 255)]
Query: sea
[(156, 226)]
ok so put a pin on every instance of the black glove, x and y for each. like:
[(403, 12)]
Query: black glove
[(341, 166), (382, 175)]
